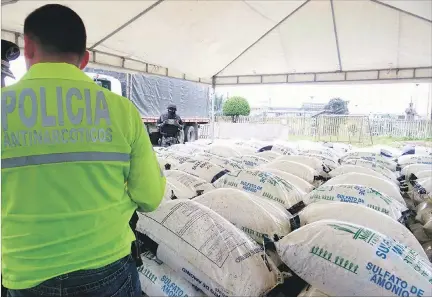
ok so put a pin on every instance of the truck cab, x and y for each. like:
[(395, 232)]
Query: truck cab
[(107, 82)]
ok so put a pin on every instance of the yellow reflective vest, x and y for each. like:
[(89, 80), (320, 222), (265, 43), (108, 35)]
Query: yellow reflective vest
[(76, 163)]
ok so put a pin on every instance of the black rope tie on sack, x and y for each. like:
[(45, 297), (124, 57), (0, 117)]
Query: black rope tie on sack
[(198, 193), (173, 196), (405, 215), (326, 169), (296, 208), (218, 175), (266, 148), (401, 178), (417, 186), (320, 178), (295, 222)]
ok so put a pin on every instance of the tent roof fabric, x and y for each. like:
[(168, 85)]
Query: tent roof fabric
[(253, 41)]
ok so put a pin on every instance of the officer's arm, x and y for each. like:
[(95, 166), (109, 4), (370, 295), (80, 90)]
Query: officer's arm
[(179, 120), (146, 183), (159, 121)]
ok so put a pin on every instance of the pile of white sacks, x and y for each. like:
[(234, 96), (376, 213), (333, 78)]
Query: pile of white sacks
[(244, 218)]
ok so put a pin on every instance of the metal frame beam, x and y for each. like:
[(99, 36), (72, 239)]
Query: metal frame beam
[(402, 11), (127, 23), (7, 2), (99, 59), (264, 35), (336, 35), (419, 74)]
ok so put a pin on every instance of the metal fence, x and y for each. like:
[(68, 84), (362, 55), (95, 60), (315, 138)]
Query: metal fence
[(352, 129)]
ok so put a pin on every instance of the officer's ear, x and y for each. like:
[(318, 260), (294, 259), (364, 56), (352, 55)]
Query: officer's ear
[(85, 59), (29, 48)]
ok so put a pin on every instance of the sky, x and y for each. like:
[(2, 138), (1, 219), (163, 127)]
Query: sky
[(376, 98), (363, 99)]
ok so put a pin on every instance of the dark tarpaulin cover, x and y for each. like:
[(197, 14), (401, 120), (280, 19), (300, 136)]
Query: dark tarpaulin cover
[(152, 95)]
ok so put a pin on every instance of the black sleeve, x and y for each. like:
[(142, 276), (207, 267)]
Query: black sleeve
[(159, 121), (179, 120)]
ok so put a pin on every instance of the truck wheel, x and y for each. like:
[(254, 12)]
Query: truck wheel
[(190, 134), (181, 137)]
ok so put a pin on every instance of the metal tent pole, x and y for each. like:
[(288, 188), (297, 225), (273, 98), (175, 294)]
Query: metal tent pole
[(212, 121)]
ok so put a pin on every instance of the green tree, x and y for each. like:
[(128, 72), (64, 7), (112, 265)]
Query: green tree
[(236, 106)]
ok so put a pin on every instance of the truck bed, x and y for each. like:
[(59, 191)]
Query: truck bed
[(152, 94)]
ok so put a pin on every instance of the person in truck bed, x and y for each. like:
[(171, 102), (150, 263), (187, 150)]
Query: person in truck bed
[(76, 164), (172, 109)]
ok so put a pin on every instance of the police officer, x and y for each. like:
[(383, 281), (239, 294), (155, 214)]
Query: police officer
[(9, 52), (76, 164), (172, 109)]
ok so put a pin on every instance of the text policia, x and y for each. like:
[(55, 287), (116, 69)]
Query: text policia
[(73, 110)]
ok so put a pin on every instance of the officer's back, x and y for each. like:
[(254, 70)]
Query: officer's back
[(69, 147)]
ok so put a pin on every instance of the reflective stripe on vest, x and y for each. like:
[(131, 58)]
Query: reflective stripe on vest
[(33, 160)]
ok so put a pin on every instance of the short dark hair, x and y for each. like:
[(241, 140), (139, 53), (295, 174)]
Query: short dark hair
[(57, 29)]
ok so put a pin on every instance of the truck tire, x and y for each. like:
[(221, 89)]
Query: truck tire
[(190, 133), (181, 137)]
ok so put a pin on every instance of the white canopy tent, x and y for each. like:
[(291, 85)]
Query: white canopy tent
[(253, 42)]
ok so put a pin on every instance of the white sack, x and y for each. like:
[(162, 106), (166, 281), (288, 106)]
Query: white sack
[(197, 185), (244, 149), (252, 215), (374, 166), (159, 280), (300, 170), (310, 161), (203, 169), (422, 150), (249, 161), (345, 169), (269, 155), (170, 160), (340, 148), (382, 185), (283, 149), (372, 157), (207, 250), (356, 194), (330, 163), (363, 216), (175, 191), (223, 162), (405, 160), (385, 149), (343, 259), (324, 151), (188, 148), (262, 184), (158, 150), (222, 151), (165, 163), (414, 168), (298, 182), (311, 292), (423, 174)]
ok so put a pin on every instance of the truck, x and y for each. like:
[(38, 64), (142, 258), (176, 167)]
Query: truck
[(151, 94)]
